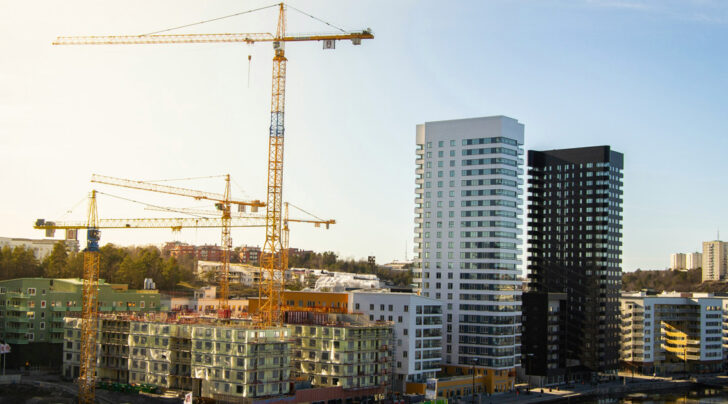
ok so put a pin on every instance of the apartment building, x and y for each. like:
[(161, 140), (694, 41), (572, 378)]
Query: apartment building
[(678, 262), (693, 260), (226, 362), (468, 215), (341, 350), (575, 247), (41, 248), (417, 324), (32, 309), (672, 332), (715, 260), (235, 362)]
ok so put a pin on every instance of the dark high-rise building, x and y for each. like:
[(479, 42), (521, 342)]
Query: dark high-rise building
[(575, 239)]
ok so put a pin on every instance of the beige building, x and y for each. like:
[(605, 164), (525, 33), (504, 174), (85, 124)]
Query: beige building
[(677, 261), (715, 260), (693, 260)]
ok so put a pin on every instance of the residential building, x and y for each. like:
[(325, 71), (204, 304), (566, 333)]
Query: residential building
[(468, 215), (399, 265), (544, 338), (32, 309), (672, 332), (341, 350), (693, 260), (250, 255), (575, 239), (417, 323), (205, 252), (715, 260), (231, 362), (243, 274), (205, 301), (41, 248), (678, 262)]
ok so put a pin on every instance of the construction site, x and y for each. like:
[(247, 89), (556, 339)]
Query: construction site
[(234, 361), (296, 356)]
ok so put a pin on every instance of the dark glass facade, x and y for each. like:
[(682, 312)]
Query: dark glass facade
[(575, 247)]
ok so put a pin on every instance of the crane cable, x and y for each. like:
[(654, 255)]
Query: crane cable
[(318, 19), (308, 213), (211, 20), (150, 205), (188, 178)]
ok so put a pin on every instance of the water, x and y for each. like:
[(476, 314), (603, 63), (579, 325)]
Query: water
[(697, 395)]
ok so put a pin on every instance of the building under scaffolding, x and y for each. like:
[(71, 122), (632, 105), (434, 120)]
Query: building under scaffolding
[(235, 362)]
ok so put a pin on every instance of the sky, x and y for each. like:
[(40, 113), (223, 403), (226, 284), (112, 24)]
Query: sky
[(645, 77)]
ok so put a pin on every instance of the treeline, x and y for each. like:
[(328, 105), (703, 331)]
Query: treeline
[(330, 261), (679, 281), (129, 265)]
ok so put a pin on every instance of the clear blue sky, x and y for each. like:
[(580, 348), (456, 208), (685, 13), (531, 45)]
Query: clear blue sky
[(646, 77)]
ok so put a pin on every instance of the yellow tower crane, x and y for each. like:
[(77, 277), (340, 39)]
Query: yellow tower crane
[(224, 205), (93, 226), (272, 249)]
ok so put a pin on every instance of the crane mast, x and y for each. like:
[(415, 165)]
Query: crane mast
[(89, 316), (270, 290)]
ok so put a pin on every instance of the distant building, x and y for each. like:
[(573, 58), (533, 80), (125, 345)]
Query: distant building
[(399, 265), (715, 260), (41, 248), (417, 331), (205, 252), (672, 332), (243, 274), (205, 301), (693, 260), (343, 281), (678, 262), (32, 309), (250, 255)]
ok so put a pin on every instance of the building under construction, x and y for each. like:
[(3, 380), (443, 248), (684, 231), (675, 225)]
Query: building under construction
[(233, 361)]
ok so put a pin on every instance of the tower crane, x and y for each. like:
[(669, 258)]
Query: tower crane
[(223, 204), (91, 263), (272, 248), (89, 310)]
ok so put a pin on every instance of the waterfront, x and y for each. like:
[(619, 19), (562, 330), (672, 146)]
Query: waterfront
[(695, 395)]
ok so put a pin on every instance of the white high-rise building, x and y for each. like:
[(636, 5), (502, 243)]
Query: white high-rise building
[(677, 261), (468, 245), (693, 260), (715, 260)]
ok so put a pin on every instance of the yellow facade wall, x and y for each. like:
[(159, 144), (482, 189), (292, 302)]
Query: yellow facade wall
[(458, 381)]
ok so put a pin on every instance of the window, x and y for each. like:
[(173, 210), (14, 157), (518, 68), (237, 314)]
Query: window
[(31, 291), (42, 325), (42, 304)]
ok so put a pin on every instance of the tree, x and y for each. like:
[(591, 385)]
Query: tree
[(55, 264)]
